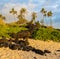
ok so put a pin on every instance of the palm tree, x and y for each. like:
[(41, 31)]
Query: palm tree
[(22, 14), (43, 11), (33, 17), (13, 12), (45, 14), (49, 14)]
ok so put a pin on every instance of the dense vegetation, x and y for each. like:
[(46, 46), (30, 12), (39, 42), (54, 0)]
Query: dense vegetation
[(4, 30), (42, 33), (46, 34)]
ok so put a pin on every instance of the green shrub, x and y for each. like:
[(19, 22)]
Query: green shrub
[(4, 30), (46, 34)]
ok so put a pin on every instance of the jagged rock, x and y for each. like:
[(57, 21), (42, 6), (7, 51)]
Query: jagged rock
[(13, 46), (47, 51), (3, 42)]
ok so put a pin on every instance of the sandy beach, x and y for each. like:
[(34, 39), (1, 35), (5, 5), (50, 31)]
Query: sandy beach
[(6, 53)]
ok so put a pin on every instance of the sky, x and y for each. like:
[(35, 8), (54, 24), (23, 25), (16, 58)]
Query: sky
[(31, 5)]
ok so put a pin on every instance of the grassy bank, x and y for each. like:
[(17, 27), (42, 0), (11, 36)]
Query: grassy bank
[(41, 34)]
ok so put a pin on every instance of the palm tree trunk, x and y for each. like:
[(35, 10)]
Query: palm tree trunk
[(14, 17), (50, 22), (43, 21)]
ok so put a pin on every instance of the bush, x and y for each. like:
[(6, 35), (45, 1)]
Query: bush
[(46, 34), (4, 30)]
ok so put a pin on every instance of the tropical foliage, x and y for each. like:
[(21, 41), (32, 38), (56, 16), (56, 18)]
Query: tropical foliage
[(42, 33)]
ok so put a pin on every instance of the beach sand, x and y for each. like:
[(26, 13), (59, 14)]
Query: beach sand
[(6, 53)]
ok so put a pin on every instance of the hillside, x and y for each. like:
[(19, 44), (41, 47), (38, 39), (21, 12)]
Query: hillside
[(43, 33)]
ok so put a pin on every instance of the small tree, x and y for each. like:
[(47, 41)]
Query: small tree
[(33, 17), (13, 12), (43, 11), (21, 16), (49, 14), (22, 13), (2, 18)]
